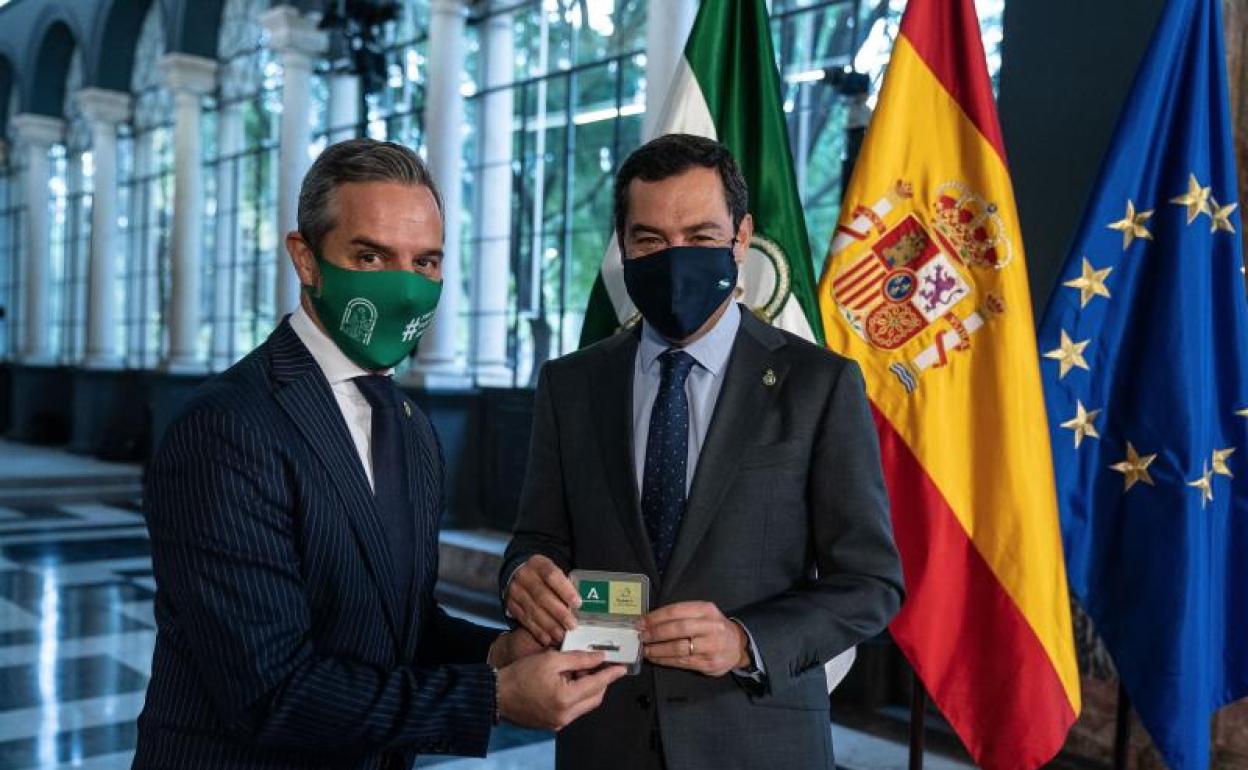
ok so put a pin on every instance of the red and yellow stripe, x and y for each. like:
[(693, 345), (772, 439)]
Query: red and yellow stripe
[(965, 447)]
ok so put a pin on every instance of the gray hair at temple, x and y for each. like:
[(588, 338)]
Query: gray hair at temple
[(355, 160)]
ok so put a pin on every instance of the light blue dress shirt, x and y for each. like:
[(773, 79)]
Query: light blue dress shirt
[(706, 379)]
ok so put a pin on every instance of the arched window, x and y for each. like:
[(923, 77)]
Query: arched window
[(242, 242), (12, 213), (70, 186), (145, 171)]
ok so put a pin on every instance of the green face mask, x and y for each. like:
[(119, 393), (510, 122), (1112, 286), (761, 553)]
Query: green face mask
[(375, 317)]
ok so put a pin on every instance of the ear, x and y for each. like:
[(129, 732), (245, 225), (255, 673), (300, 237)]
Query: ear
[(304, 258), (745, 233)]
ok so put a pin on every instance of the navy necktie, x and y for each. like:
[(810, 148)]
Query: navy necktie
[(390, 491), (667, 455)]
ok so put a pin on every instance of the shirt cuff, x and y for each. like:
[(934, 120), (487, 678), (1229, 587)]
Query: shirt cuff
[(756, 670), (507, 586)]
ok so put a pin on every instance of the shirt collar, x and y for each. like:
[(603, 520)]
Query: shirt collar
[(711, 351), (333, 362)]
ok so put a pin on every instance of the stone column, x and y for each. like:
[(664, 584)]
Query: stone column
[(344, 106), (189, 78), (35, 135), (441, 363), (229, 143), (74, 266), (104, 110), (297, 42), (493, 219), (667, 29), (9, 346)]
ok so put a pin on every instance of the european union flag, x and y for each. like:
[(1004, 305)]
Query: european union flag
[(1145, 369)]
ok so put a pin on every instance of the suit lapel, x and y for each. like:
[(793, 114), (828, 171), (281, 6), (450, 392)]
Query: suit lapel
[(424, 475), (307, 399), (746, 394), (612, 398)]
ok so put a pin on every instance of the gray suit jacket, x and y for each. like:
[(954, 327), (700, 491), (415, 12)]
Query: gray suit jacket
[(786, 529)]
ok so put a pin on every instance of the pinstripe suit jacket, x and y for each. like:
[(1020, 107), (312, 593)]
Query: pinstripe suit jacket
[(281, 640)]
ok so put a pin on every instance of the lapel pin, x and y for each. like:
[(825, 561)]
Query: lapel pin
[(769, 378), (407, 408)]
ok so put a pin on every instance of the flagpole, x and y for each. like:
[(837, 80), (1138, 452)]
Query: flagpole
[(918, 706), (1122, 728)]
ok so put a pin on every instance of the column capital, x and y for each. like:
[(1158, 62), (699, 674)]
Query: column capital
[(38, 130), (293, 32), (187, 73), (104, 106), (458, 7)]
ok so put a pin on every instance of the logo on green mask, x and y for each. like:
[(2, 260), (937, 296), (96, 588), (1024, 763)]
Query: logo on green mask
[(359, 320)]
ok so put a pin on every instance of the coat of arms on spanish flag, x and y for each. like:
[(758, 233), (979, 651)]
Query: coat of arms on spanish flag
[(926, 287)]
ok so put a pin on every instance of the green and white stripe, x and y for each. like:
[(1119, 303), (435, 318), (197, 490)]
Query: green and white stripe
[(726, 87)]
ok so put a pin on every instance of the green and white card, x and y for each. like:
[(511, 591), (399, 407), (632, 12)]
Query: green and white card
[(611, 604)]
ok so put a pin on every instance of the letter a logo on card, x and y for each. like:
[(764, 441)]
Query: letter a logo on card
[(593, 595)]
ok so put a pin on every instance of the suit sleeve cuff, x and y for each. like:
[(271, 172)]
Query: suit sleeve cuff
[(507, 587), (755, 672)]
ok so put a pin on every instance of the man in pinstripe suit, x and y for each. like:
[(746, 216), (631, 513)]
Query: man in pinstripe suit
[(293, 508)]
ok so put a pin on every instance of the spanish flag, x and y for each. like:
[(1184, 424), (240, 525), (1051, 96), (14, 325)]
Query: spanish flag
[(926, 287)]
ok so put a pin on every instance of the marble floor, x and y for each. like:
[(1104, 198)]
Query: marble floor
[(76, 628)]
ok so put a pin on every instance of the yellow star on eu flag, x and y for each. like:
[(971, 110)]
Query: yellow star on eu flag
[(1091, 283), (1132, 226), (1196, 199), (1068, 355), (1203, 483), (1219, 461), (1134, 468), (1082, 423), (1221, 216)]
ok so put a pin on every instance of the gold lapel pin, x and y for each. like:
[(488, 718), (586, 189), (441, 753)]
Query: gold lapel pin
[(407, 408), (769, 378)]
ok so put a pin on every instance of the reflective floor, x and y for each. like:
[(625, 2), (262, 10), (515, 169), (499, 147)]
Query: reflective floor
[(76, 628)]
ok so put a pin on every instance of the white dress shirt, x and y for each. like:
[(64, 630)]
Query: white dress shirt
[(340, 370)]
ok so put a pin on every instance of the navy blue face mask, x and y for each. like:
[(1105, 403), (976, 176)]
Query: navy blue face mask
[(679, 288)]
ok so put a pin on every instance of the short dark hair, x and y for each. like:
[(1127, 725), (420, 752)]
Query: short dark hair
[(673, 154), (355, 160)]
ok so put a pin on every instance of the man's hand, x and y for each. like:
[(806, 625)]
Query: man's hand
[(540, 597), (512, 646), (696, 636), (551, 690)]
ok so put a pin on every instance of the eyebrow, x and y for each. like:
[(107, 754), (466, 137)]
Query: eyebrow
[(371, 244), (374, 245), (707, 225), (638, 228)]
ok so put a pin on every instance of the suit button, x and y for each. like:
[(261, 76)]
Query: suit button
[(643, 701)]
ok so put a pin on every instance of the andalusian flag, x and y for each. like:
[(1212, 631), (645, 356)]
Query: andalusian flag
[(726, 87), (926, 288)]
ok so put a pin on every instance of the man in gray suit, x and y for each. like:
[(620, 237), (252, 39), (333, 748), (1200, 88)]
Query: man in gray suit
[(734, 464)]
